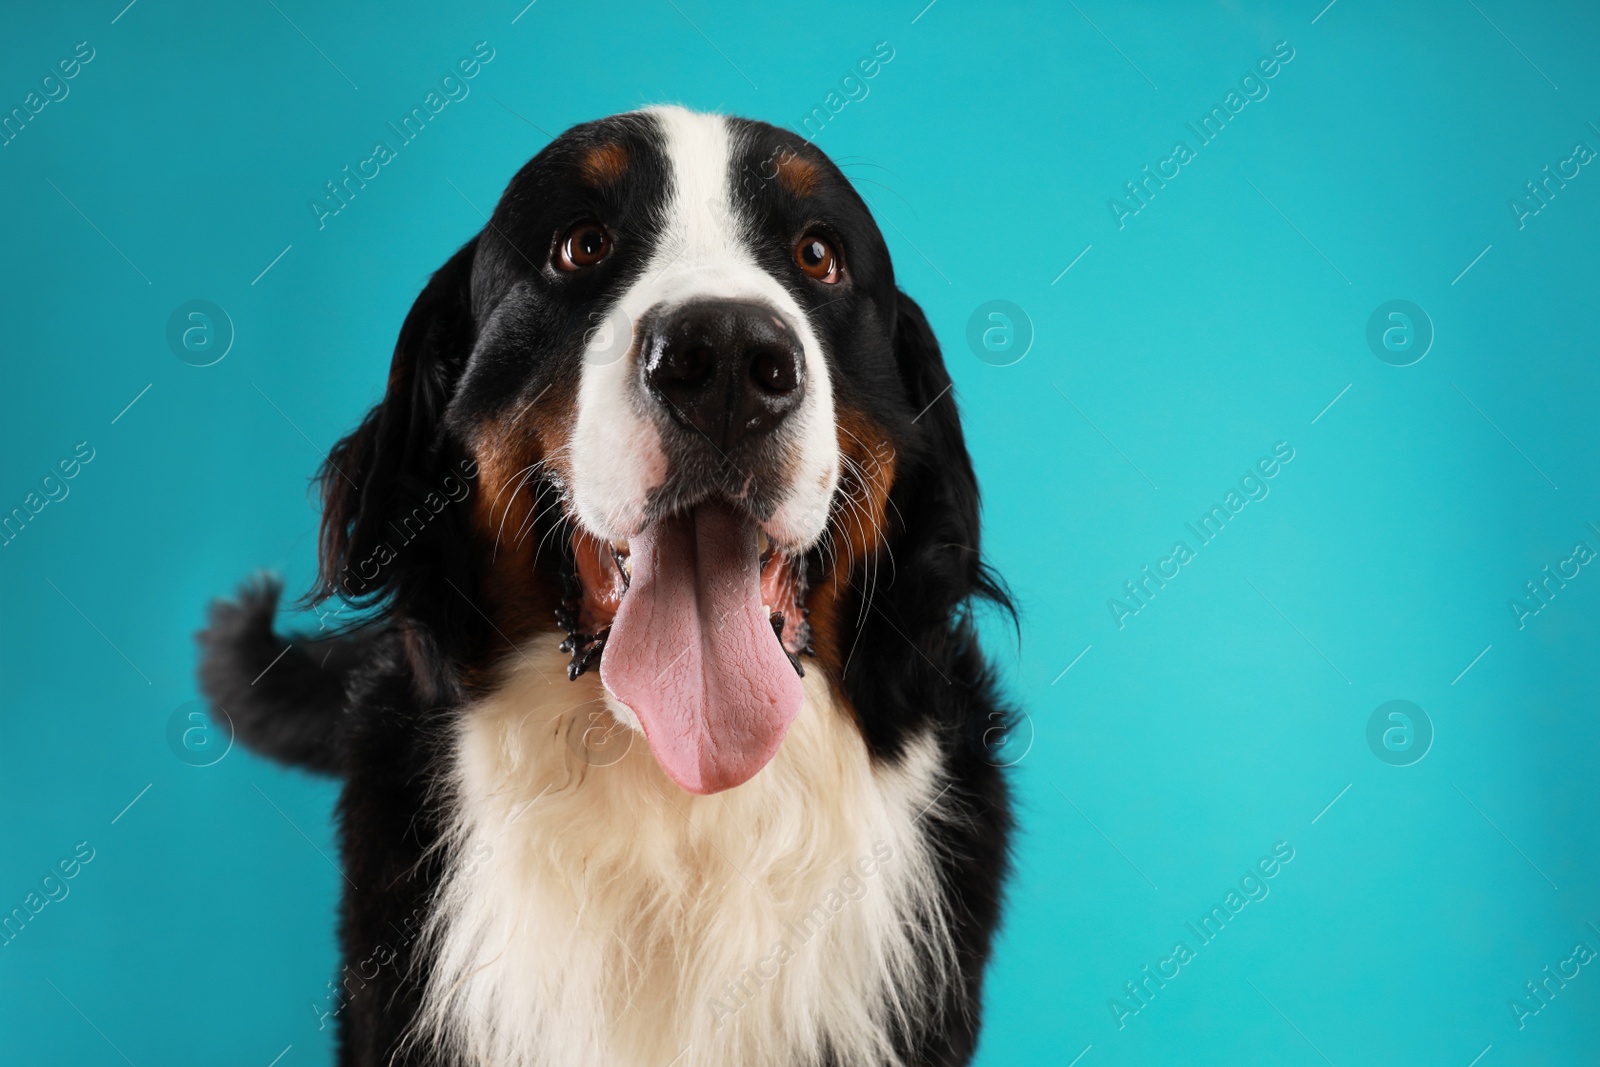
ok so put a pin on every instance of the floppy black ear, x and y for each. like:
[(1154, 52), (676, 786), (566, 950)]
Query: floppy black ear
[(937, 572), (936, 491), (396, 457)]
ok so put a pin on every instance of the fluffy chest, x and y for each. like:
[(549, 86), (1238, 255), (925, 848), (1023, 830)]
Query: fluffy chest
[(594, 913)]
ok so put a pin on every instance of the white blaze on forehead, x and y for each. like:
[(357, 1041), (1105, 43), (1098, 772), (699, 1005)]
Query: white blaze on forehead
[(702, 251)]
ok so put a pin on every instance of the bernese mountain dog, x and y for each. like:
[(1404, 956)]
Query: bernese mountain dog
[(665, 734)]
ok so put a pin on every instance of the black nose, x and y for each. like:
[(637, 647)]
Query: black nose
[(728, 369)]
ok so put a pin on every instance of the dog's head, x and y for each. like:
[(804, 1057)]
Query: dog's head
[(697, 411)]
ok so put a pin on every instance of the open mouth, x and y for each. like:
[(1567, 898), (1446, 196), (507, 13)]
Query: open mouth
[(699, 623)]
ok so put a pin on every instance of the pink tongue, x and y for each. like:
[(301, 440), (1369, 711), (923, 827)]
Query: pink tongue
[(692, 651)]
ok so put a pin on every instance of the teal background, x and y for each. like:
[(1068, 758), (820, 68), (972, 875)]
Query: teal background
[(1221, 319)]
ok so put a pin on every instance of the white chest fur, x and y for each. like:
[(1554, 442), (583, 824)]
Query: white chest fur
[(598, 915)]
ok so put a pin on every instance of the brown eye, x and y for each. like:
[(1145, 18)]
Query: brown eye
[(586, 244), (817, 258)]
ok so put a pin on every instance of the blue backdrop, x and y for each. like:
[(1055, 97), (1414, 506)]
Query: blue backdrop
[(1274, 331)]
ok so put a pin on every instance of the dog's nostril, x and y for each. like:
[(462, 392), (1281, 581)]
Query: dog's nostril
[(728, 369), (689, 365), (775, 372)]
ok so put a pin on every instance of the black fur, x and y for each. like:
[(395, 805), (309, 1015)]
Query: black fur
[(942, 678), (376, 704), (285, 698)]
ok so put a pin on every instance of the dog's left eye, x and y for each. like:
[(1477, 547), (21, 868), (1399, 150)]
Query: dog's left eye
[(586, 244), (815, 256)]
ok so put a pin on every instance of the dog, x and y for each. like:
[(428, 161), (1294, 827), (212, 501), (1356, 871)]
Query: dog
[(665, 733)]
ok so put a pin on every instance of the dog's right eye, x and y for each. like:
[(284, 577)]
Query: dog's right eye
[(585, 244)]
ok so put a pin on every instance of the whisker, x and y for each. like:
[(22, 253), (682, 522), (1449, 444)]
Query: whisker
[(534, 516), (526, 473)]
